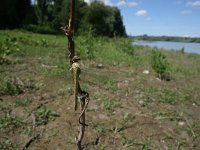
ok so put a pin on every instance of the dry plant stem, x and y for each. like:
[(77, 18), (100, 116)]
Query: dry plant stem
[(82, 126), (69, 30), (84, 96), (84, 100)]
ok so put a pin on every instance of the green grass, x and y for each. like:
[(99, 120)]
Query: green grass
[(48, 55), (43, 115), (10, 121)]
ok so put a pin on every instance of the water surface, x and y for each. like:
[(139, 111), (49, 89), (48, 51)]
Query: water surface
[(188, 47)]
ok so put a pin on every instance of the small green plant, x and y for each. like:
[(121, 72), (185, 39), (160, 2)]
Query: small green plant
[(10, 87), (23, 103), (173, 116), (160, 65), (182, 50), (10, 121), (7, 144), (86, 46), (128, 118), (102, 146), (44, 114), (8, 47), (109, 85), (131, 143), (110, 104), (126, 46), (16, 86)]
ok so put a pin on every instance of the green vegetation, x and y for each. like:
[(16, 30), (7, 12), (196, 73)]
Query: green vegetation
[(8, 120), (7, 144), (43, 115), (128, 108), (15, 86), (48, 16), (8, 46), (160, 65)]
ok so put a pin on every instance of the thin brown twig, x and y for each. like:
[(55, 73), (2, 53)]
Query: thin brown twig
[(85, 98), (36, 137)]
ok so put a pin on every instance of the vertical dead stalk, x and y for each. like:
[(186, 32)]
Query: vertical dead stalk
[(83, 96)]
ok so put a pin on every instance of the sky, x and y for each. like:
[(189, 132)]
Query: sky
[(159, 17)]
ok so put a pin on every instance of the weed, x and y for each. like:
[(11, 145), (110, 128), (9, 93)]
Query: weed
[(9, 121), (166, 95), (100, 128), (179, 145), (173, 116), (44, 43), (125, 45), (167, 136), (172, 97), (22, 103), (128, 118), (109, 84), (70, 91), (191, 129), (160, 65), (54, 71), (10, 86), (31, 42), (7, 144), (15, 86), (86, 46), (127, 143), (102, 146), (8, 47), (44, 114), (110, 105)]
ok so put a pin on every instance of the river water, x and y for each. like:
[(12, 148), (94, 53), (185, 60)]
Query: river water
[(188, 47)]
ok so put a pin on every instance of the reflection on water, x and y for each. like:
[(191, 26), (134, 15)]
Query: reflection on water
[(188, 47)]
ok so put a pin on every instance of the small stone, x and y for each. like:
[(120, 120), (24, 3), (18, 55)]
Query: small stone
[(158, 79), (193, 104), (100, 66), (181, 123), (145, 72), (141, 103)]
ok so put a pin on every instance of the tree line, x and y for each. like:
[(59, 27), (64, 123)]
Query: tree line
[(47, 16)]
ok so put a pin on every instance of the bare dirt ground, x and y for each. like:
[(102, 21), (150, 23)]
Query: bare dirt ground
[(128, 109)]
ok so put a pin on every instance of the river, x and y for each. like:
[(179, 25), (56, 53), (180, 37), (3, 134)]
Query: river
[(188, 47)]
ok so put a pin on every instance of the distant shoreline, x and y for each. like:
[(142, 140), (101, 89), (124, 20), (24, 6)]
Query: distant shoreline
[(167, 38)]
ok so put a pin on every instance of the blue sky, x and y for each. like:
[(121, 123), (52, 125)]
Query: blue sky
[(159, 17)]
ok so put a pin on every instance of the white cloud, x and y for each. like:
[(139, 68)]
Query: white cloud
[(121, 3), (106, 2), (194, 4), (132, 4), (87, 1), (186, 12), (141, 13), (126, 3)]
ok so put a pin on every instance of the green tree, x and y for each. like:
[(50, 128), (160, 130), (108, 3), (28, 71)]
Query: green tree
[(61, 13), (119, 29), (41, 9), (97, 17), (104, 20), (13, 13)]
